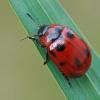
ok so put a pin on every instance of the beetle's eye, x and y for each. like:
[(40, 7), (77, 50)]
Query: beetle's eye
[(43, 30)]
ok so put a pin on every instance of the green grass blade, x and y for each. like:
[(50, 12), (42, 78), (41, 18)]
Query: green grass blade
[(47, 12)]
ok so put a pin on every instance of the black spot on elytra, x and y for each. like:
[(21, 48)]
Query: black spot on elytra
[(70, 34), (52, 53), (62, 63), (77, 62), (60, 47), (86, 52)]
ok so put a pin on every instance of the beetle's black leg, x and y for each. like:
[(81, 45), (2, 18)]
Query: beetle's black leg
[(66, 79), (33, 38), (46, 58), (37, 41)]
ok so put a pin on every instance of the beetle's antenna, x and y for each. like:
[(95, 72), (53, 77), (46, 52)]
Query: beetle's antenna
[(25, 38), (34, 20)]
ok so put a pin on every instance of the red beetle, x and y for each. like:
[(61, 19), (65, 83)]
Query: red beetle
[(66, 49)]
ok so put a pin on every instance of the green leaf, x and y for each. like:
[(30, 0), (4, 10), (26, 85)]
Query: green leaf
[(48, 12)]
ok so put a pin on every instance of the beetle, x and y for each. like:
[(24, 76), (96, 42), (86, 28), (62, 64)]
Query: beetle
[(66, 49)]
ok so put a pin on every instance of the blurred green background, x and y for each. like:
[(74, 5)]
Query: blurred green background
[(23, 78)]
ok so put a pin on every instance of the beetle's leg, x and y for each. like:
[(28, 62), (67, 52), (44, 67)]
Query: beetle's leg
[(46, 58), (37, 41), (66, 78), (68, 81), (33, 38)]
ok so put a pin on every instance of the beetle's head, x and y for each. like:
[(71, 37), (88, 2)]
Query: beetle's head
[(42, 30)]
